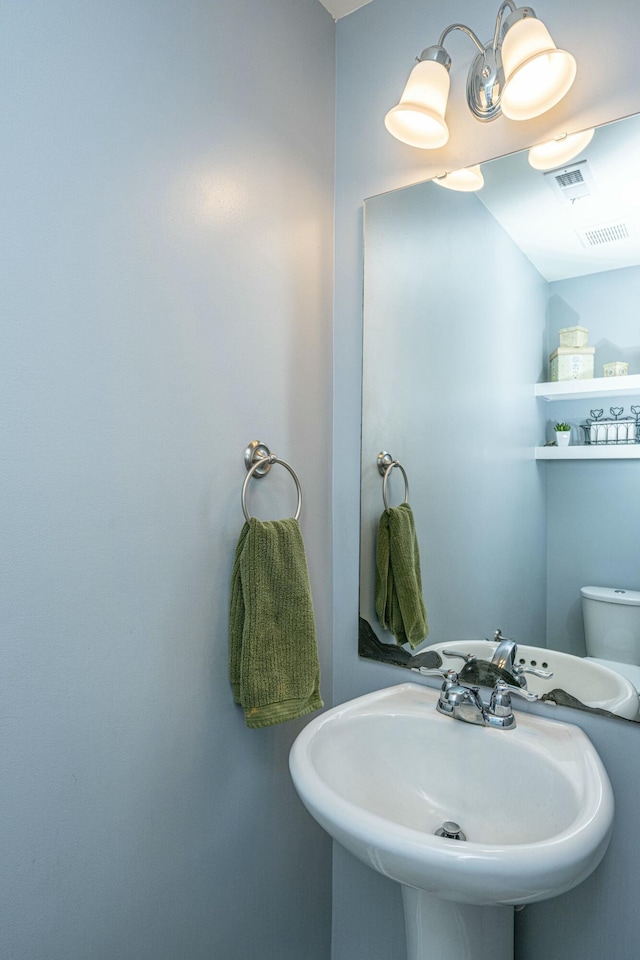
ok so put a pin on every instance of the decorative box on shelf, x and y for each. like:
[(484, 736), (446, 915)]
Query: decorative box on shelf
[(572, 363), (574, 337), (616, 369)]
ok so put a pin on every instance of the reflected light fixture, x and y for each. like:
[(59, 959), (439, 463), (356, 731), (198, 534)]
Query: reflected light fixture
[(520, 73), (555, 153), (467, 180)]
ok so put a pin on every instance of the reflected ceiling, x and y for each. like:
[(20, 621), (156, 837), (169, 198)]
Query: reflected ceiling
[(579, 219)]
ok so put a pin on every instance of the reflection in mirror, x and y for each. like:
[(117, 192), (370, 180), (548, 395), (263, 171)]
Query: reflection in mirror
[(465, 298)]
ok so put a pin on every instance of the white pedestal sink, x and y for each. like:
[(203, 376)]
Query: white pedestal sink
[(382, 773)]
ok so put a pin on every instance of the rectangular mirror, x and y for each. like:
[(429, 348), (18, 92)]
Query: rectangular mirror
[(464, 298)]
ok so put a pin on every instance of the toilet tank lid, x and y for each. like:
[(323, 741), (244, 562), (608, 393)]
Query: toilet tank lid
[(612, 595)]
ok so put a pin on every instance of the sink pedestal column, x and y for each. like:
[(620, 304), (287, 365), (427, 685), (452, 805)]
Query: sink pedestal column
[(445, 930)]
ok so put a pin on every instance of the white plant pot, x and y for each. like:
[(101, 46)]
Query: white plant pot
[(563, 437)]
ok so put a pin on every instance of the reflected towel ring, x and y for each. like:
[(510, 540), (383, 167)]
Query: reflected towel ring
[(386, 463), (258, 461)]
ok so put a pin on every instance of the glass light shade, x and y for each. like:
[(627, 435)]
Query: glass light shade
[(466, 180), (536, 74), (555, 153), (418, 119)]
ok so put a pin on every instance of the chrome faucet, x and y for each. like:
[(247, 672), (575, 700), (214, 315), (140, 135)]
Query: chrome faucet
[(504, 656), (462, 702)]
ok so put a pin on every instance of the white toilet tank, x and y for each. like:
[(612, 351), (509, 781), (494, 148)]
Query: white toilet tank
[(612, 623)]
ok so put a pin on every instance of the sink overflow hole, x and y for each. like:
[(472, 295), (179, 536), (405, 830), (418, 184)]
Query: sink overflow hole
[(450, 830)]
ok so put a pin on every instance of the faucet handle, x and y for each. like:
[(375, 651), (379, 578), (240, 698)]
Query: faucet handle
[(449, 676), (503, 688), (502, 692), (467, 657), (500, 711), (497, 637), (451, 690), (519, 669)]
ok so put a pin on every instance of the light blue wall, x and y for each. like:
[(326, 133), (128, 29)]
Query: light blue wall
[(166, 171), (593, 528), (607, 305), (447, 389), (376, 47)]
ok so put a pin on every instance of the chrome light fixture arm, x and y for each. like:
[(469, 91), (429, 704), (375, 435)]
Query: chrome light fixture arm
[(485, 79), (464, 29), (507, 5)]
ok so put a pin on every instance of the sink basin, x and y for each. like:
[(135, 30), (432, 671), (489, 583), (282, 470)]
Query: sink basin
[(592, 683), (383, 772)]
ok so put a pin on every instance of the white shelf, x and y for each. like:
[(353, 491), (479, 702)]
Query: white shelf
[(589, 389), (605, 451)]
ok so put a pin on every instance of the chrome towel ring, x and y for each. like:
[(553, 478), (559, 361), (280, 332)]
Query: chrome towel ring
[(258, 460), (386, 463)]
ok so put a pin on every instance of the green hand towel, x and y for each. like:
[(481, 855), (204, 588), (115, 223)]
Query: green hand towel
[(274, 669), (399, 604)]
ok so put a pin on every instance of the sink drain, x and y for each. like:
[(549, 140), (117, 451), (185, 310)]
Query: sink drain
[(450, 830)]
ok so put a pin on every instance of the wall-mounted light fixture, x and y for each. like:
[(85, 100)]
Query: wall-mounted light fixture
[(520, 73), (467, 180), (555, 153)]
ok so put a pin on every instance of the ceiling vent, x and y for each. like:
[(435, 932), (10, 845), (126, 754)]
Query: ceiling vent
[(603, 233), (571, 183)]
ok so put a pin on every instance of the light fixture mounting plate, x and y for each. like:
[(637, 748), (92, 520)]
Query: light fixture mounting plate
[(485, 82)]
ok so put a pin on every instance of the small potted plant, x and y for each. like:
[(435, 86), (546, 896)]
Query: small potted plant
[(563, 434)]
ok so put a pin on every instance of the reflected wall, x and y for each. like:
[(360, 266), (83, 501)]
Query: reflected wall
[(454, 338)]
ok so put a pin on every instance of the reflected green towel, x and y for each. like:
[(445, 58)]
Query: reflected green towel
[(274, 669), (399, 604)]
